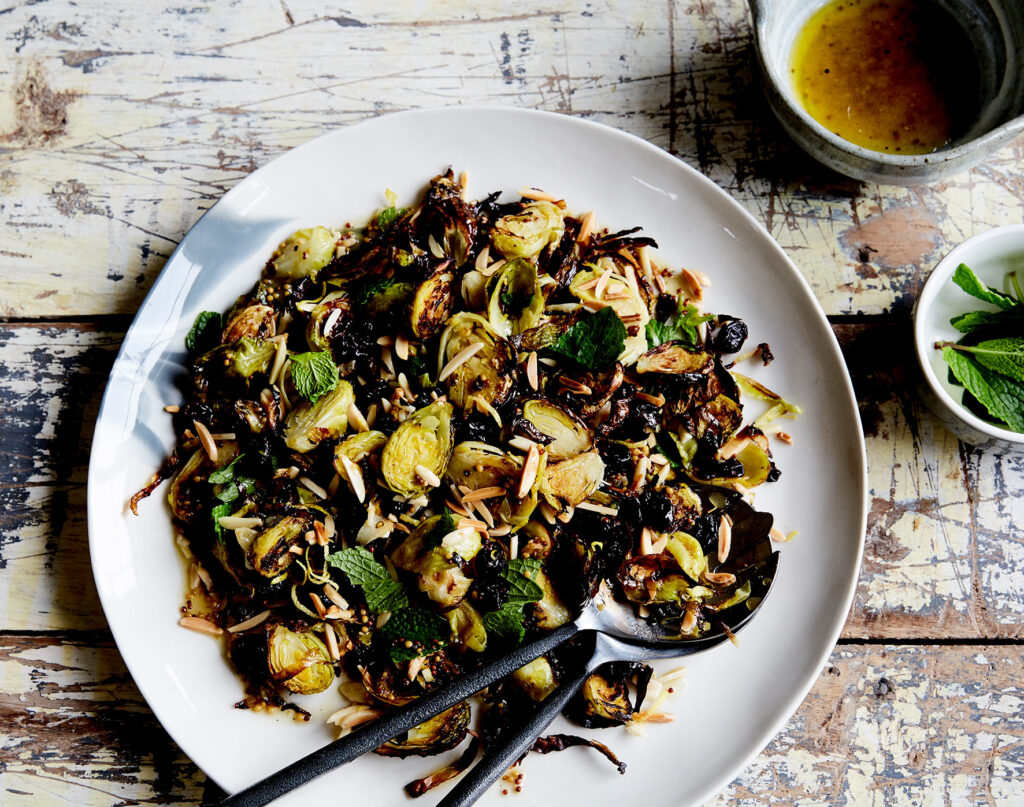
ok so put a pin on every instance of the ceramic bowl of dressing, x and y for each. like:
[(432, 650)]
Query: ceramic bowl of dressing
[(974, 48)]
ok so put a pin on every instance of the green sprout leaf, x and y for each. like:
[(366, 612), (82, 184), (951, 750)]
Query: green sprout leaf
[(205, 332), (314, 374), (414, 632), (1003, 398), (969, 282), (594, 341), (363, 570)]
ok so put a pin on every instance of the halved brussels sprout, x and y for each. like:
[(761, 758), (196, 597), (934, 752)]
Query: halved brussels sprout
[(605, 701), (390, 299), (431, 304), (442, 580), (535, 541), (536, 679), (253, 321), (617, 293), (672, 507), (268, 553), (672, 358), (688, 554), (489, 373), (440, 733), (474, 290), (573, 480), (304, 253), (722, 416), (299, 661), (309, 424), (526, 233), (335, 301), (356, 447), (757, 465), (517, 301), (479, 465), (549, 612), (569, 434), (184, 497), (468, 625), (241, 361), (424, 439), (647, 579)]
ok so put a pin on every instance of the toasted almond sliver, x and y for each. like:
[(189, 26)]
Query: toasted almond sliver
[(785, 438), (720, 578), (778, 535), (428, 476), (659, 546), (384, 341), (200, 625), (483, 493), (318, 604), (355, 417), (598, 508), (696, 291), (497, 532), (402, 347), (640, 473), (238, 522), (473, 523), (732, 447), (586, 227), (724, 538), (522, 443), (494, 267), (531, 370), (702, 278), (459, 359), (529, 475), (537, 195), (355, 477), (482, 259), (332, 643), (659, 281), (331, 593), (647, 541), (657, 400), (385, 355), (602, 283), (309, 484), (207, 440), (172, 409), (590, 283), (252, 622), (481, 508)]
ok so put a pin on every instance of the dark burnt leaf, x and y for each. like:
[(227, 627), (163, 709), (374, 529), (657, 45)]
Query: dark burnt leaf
[(562, 263), (477, 426), (559, 742), (618, 462)]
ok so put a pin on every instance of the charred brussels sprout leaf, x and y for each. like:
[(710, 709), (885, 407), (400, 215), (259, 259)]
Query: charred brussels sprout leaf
[(314, 375), (268, 553), (574, 480), (299, 661), (253, 321), (536, 679), (569, 435), (413, 632), (205, 331), (425, 439), (381, 592), (594, 341), (525, 234), (674, 358), (432, 304), (469, 626), (304, 253), (310, 424), (488, 375), (440, 733)]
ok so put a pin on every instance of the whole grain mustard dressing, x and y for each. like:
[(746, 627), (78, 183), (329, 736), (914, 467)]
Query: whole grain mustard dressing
[(894, 76)]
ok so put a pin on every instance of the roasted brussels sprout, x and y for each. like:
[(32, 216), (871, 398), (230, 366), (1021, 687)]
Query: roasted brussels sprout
[(422, 441), (304, 253), (516, 301), (468, 625), (299, 661), (604, 701), (536, 679), (488, 374), (479, 465), (254, 321), (268, 553), (623, 297), (569, 436), (437, 568), (549, 612), (431, 304), (573, 480), (647, 579), (440, 733), (390, 299), (309, 424), (356, 447), (673, 358), (688, 554), (316, 334), (670, 507), (185, 496), (526, 233)]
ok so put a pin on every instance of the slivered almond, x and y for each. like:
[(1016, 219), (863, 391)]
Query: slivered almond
[(616, 295), (659, 546), (537, 195), (384, 341), (598, 508), (332, 488), (332, 643), (355, 417), (529, 475), (481, 260), (252, 622), (456, 508), (657, 400), (385, 356), (355, 477), (590, 283), (318, 604), (702, 278), (332, 318), (778, 535), (207, 441), (331, 593), (692, 282), (719, 578), (483, 493), (513, 546), (172, 409), (371, 416), (645, 260), (279, 359), (594, 305), (689, 620), (497, 532), (427, 476), (531, 371), (586, 227), (647, 541), (200, 625), (296, 550), (494, 267), (724, 538), (473, 523), (640, 473), (434, 247), (481, 508), (459, 359), (238, 522), (733, 446), (602, 283), (784, 437), (659, 281), (574, 386), (403, 382), (309, 484)]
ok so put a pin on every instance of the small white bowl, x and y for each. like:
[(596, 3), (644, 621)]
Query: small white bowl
[(990, 255)]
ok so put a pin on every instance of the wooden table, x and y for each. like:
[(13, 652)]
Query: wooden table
[(120, 123)]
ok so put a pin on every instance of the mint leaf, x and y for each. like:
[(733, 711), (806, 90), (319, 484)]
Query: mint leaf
[(1003, 399), (225, 474), (437, 533), (1004, 356), (969, 282), (314, 374), (362, 569), (216, 512), (229, 493), (681, 326), (205, 332), (974, 320), (594, 341), (414, 632), (521, 589), (505, 623)]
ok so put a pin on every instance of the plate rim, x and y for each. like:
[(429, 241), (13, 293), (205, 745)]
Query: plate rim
[(176, 264)]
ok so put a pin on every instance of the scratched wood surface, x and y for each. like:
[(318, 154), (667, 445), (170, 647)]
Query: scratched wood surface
[(121, 123)]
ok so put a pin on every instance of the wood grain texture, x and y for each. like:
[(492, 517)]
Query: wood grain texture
[(884, 726), (120, 128), (943, 557)]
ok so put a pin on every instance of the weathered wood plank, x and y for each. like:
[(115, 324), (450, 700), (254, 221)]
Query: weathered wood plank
[(120, 128), (885, 726), (944, 557)]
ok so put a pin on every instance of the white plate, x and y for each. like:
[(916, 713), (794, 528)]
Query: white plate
[(737, 698)]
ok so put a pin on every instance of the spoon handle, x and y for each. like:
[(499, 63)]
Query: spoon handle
[(375, 734), (498, 760)]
